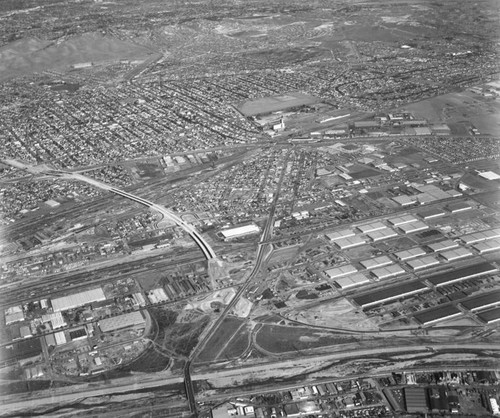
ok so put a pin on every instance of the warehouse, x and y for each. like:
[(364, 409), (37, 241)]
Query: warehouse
[(440, 313), (410, 253), (376, 262), (456, 254), (56, 320), (486, 300), (382, 234), (416, 399), (490, 316), (411, 227), (389, 293), (341, 271), (431, 213), (447, 244), (14, 314), (77, 299), (60, 338), (349, 242), (480, 236), (403, 219), (351, 280), (387, 271), (405, 200), (462, 274), (422, 262), (344, 233), (458, 207), (157, 295), (240, 231), (374, 226), (114, 323), (487, 246)]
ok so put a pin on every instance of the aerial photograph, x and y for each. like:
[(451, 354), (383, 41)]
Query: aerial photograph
[(249, 208)]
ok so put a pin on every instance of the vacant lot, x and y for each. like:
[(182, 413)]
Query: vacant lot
[(275, 103), (220, 338)]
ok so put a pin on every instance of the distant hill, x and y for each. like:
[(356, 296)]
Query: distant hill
[(33, 55)]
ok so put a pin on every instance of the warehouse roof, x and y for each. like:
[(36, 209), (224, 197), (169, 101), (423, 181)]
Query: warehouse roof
[(77, 299), (456, 253), (431, 213), (376, 262), (349, 242), (403, 219), (415, 226), (240, 231), (410, 253), (422, 262), (487, 246), (489, 316), (382, 234), (351, 280), (389, 293), (341, 271), (344, 233), (443, 245), (440, 313), (416, 399), (462, 274), (122, 321), (387, 271), (480, 236), (484, 300), (373, 226)]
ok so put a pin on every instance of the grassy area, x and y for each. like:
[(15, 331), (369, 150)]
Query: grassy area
[(221, 337)]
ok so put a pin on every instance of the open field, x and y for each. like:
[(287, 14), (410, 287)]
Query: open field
[(221, 337), (275, 103)]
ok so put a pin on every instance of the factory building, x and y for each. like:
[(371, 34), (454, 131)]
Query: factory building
[(344, 233), (403, 219), (463, 273), (431, 213), (480, 236), (422, 262), (351, 280), (349, 242), (389, 293), (376, 262), (404, 200), (458, 207), (490, 316), (56, 320), (456, 254), (77, 299), (416, 399), (412, 227), (240, 231), (134, 318), (487, 246), (485, 300), (341, 271), (409, 254), (440, 313), (387, 272), (374, 226), (443, 245), (382, 234)]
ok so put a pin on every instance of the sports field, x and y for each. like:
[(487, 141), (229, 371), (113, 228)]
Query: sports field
[(274, 103)]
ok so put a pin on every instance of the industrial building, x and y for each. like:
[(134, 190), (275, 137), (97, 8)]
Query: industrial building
[(485, 300), (157, 295), (422, 262), (443, 245), (382, 234), (490, 316), (372, 263), (60, 338), (341, 271), (416, 399), (487, 246), (431, 213), (409, 254), (344, 233), (412, 227), (463, 273), (458, 207), (134, 318), (440, 313), (456, 254), (56, 320), (14, 314), (480, 236), (374, 226), (77, 299), (387, 271), (389, 293), (403, 219), (240, 231), (349, 242), (405, 200), (352, 280)]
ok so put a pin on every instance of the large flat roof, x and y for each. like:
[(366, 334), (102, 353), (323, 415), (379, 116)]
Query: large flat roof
[(239, 231), (389, 293), (403, 219), (351, 280), (77, 299), (480, 236), (487, 246), (344, 233), (410, 253), (349, 242), (489, 316), (422, 262), (382, 234), (376, 262), (442, 245), (482, 301), (456, 253), (121, 321), (373, 226), (341, 271), (439, 313), (387, 271), (461, 274), (415, 226)]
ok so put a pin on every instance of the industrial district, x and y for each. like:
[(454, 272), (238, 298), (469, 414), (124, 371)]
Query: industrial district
[(258, 209)]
